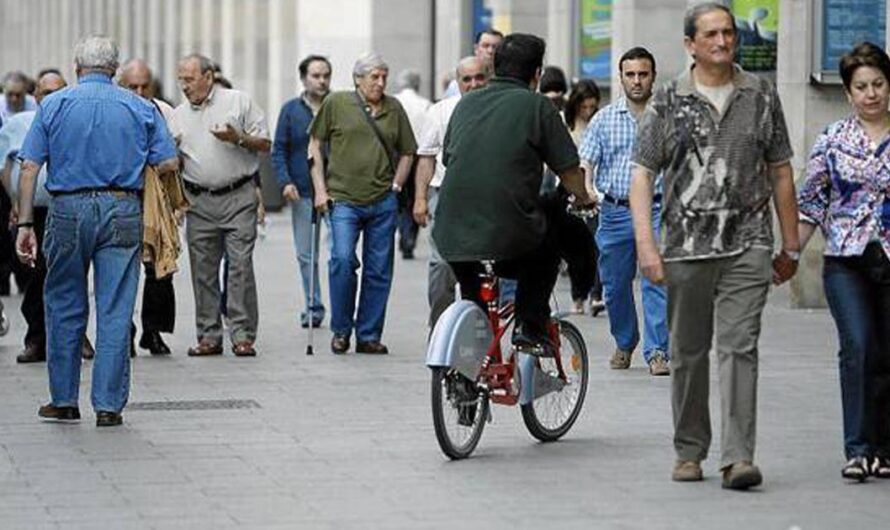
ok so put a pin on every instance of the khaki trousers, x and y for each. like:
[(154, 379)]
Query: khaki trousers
[(217, 225), (729, 292)]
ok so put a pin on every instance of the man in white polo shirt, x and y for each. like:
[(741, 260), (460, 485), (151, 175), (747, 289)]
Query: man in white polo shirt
[(220, 133), (472, 73)]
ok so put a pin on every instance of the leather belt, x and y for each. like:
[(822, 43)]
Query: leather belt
[(197, 189), (626, 202)]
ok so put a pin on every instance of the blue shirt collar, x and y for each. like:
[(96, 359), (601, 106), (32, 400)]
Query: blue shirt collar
[(95, 77)]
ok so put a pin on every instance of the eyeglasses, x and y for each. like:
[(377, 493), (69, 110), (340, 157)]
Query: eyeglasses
[(468, 78)]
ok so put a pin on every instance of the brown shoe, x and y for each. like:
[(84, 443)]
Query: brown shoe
[(373, 348), (741, 476), (339, 344), (686, 471), (244, 348), (33, 353), (50, 412), (658, 365), (205, 348), (620, 360)]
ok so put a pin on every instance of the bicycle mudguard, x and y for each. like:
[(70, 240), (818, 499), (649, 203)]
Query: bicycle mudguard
[(460, 339), (535, 383)]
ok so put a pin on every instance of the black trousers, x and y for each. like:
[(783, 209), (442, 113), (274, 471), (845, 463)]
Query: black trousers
[(158, 303), (32, 301), (535, 271), (581, 256)]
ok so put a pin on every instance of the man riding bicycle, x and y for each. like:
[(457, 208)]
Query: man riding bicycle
[(490, 209)]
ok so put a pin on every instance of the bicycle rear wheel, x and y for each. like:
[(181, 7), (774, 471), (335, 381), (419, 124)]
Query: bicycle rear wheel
[(460, 410), (551, 415)]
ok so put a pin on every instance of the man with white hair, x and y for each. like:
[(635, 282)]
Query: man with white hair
[(415, 107), (96, 139), (472, 73), (363, 129)]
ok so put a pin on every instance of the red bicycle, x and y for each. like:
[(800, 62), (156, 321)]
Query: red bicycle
[(470, 371)]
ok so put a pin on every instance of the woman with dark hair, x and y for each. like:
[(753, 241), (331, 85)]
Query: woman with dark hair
[(846, 194), (553, 85), (584, 276)]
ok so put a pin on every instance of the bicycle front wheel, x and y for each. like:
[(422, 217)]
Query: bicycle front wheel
[(549, 416), (460, 410)]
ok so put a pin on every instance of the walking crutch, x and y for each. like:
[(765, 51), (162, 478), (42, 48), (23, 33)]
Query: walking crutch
[(312, 272)]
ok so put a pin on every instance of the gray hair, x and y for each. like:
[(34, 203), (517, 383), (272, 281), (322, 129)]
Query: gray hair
[(467, 61), (15, 76), (96, 52), (694, 12), (205, 63), (367, 63), (409, 79)]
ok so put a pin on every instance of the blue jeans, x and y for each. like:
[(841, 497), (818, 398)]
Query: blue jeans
[(376, 223), (858, 292), (301, 222), (617, 268), (103, 229)]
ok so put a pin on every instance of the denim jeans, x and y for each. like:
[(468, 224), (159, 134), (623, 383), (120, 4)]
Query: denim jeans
[(858, 292), (376, 223), (103, 229), (617, 268), (301, 222)]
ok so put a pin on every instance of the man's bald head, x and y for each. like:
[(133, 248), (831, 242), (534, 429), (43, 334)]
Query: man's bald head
[(47, 84), (472, 73), (135, 75)]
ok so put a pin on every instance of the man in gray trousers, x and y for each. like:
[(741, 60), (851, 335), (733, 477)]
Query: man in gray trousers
[(220, 133)]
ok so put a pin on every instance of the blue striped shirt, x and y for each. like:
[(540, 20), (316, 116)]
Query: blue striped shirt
[(96, 135), (608, 147)]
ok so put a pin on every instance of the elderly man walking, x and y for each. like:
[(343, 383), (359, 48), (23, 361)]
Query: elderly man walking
[(363, 129), (220, 132), (12, 136), (290, 159), (719, 136), (472, 74), (96, 139), (158, 296)]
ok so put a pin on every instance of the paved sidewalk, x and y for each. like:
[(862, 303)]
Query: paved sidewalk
[(347, 442)]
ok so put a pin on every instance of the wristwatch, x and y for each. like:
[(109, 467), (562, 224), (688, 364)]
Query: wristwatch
[(396, 188), (793, 255)]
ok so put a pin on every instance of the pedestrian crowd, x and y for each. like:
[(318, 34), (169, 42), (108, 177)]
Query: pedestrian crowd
[(684, 178)]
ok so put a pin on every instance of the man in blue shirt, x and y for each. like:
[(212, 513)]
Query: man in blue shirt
[(607, 148), (290, 159), (96, 139)]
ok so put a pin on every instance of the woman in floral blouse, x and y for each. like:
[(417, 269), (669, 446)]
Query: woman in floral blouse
[(846, 194)]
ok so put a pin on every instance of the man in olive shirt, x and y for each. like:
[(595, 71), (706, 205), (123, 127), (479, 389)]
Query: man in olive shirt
[(498, 139), (363, 177)]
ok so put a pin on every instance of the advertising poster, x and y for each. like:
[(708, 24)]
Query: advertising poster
[(758, 24), (847, 22), (595, 59)]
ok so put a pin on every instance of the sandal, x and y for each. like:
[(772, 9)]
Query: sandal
[(856, 469), (880, 467)]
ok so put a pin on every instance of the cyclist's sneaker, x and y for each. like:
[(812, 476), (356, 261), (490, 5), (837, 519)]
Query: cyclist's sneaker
[(856, 469), (466, 415), (537, 345), (880, 467)]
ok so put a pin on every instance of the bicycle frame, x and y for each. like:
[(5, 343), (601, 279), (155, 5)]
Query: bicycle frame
[(497, 375)]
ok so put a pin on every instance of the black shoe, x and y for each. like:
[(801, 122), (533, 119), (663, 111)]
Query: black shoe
[(50, 412), (339, 344), (33, 353), (86, 349), (532, 344), (108, 419), (856, 469), (373, 348), (152, 341), (407, 254)]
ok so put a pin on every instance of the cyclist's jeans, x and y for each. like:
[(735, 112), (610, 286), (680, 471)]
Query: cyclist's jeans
[(536, 274)]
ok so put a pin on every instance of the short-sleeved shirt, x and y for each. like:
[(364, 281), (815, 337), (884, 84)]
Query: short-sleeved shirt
[(359, 169), (96, 135), (432, 134), (717, 167), (608, 145), (498, 140), (12, 135), (207, 160)]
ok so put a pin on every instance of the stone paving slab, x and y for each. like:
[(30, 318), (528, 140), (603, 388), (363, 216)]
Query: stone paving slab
[(347, 442)]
